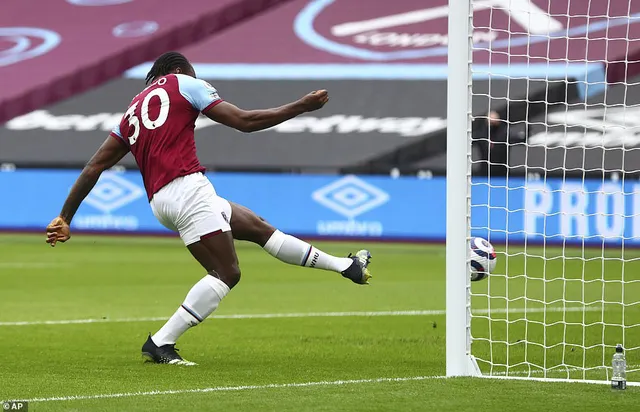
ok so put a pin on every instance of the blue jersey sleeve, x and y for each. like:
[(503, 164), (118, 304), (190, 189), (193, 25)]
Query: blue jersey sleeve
[(115, 132), (199, 93)]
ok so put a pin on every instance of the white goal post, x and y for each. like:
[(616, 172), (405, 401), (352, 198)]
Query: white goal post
[(552, 180), (458, 284)]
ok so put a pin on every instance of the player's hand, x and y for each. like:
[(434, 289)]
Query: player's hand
[(57, 231), (315, 100)]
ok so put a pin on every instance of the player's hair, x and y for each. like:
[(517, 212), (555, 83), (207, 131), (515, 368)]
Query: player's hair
[(165, 64)]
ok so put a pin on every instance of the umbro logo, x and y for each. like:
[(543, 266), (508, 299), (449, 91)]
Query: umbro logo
[(350, 196), (113, 192)]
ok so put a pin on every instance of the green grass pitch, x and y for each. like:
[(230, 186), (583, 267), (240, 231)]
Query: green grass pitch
[(305, 363)]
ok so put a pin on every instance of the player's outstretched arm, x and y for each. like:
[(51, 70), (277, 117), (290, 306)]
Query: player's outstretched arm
[(254, 120), (106, 157)]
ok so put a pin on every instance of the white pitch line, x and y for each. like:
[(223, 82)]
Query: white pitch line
[(305, 315), (32, 265), (227, 389), (284, 386), (554, 371), (556, 380)]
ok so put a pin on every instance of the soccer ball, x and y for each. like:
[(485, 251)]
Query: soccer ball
[(482, 258)]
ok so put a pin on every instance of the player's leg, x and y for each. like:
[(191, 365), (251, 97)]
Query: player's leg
[(205, 231), (217, 256), (246, 225)]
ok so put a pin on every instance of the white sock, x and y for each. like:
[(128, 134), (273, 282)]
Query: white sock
[(201, 301), (297, 252)]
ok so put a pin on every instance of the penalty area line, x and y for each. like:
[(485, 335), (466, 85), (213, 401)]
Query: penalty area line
[(226, 389), (310, 315)]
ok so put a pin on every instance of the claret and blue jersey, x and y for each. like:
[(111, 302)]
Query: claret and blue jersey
[(158, 128)]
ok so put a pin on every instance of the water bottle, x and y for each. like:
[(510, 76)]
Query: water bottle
[(619, 363)]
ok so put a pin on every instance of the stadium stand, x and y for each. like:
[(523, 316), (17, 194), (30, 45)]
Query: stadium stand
[(367, 117), (596, 137), (354, 127), (43, 59), (527, 99), (371, 125)]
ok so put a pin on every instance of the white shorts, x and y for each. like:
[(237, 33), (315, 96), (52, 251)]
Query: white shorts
[(190, 206)]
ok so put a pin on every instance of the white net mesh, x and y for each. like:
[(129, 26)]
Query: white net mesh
[(556, 186)]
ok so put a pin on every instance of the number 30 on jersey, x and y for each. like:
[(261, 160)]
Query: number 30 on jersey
[(144, 113)]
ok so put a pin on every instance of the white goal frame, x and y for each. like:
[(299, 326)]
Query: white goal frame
[(460, 362), (459, 357)]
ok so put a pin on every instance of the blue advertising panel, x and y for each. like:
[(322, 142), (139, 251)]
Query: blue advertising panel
[(556, 210), (553, 210), (338, 206)]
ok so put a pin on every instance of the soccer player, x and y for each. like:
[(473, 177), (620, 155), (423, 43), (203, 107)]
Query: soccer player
[(158, 129)]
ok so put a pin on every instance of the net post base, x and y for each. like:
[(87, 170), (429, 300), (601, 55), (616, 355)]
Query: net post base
[(473, 368)]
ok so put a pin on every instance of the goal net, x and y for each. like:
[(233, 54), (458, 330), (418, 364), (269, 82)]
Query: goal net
[(552, 167)]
